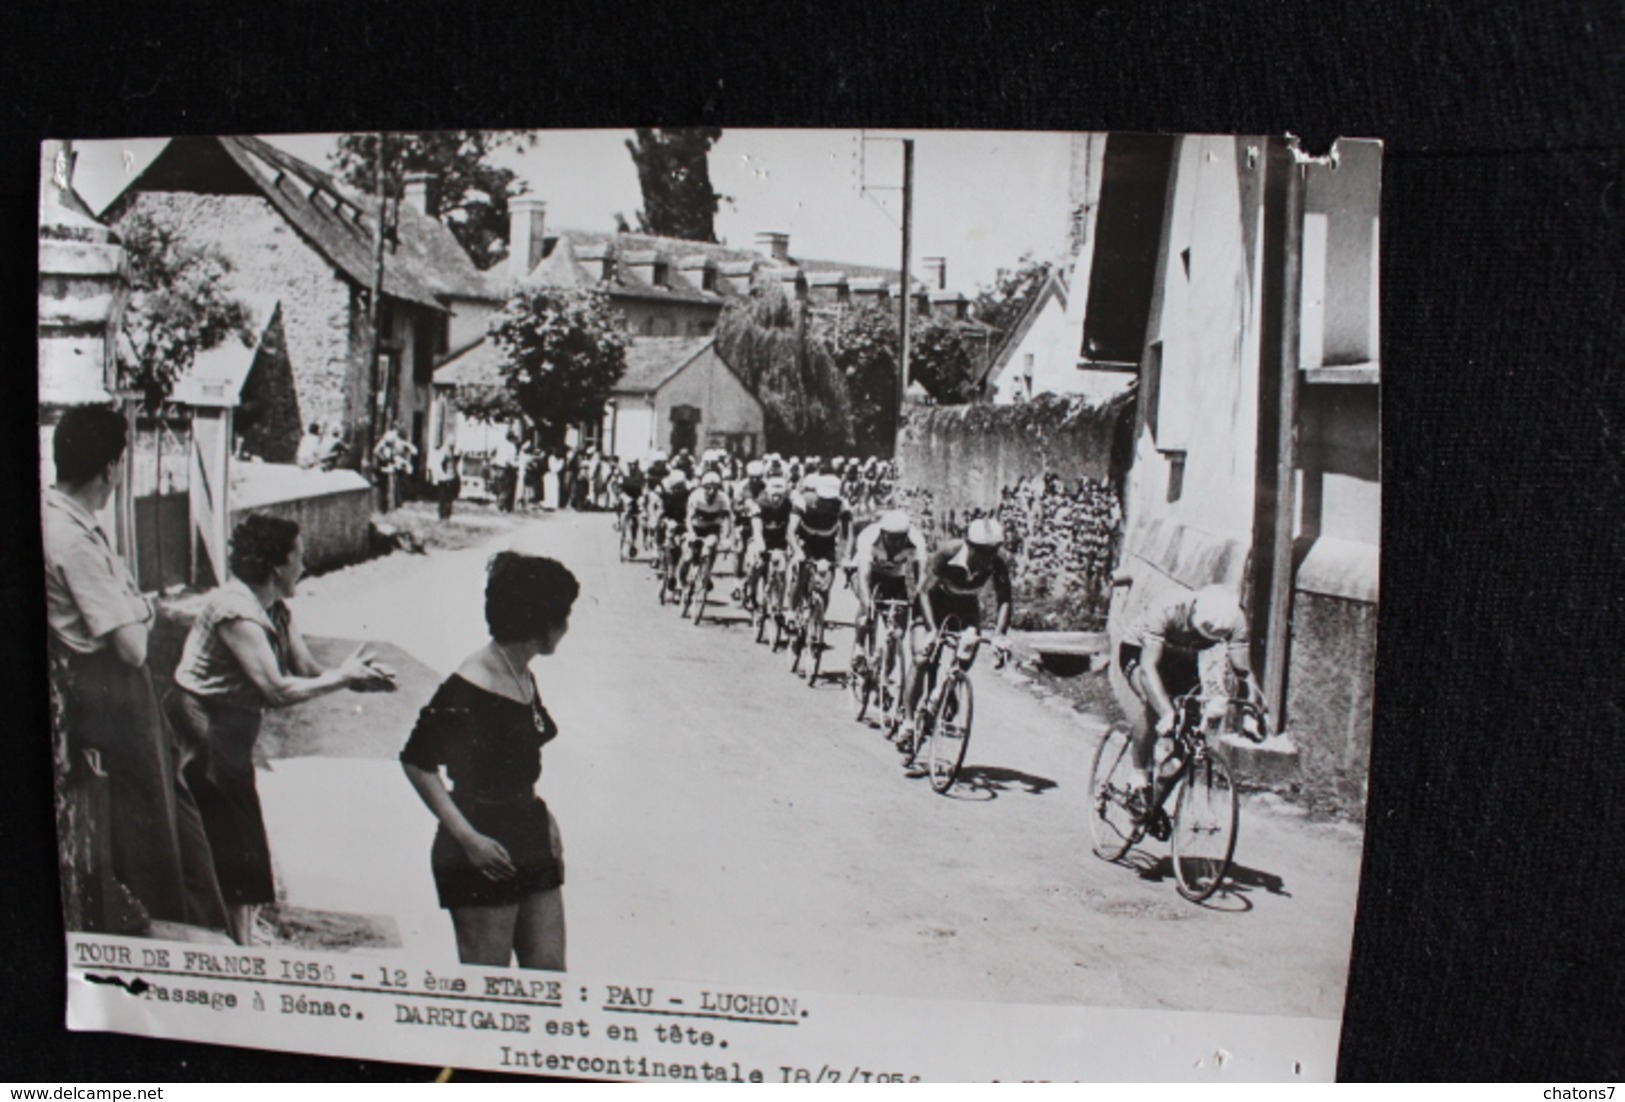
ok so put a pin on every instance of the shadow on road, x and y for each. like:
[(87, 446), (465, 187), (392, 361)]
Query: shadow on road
[(996, 779), (1238, 884)]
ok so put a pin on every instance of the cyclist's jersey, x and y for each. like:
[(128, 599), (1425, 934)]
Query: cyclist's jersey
[(706, 518), (952, 587), (871, 549), (632, 483), (1170, 624), (745, 491), (674, 502), (821, 521), (775, 520)]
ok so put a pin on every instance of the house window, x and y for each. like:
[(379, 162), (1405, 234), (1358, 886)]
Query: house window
[(1176, 475)]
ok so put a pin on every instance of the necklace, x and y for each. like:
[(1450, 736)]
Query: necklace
[(524, 685)]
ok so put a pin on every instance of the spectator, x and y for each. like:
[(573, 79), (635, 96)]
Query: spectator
[(310, 447), (112, 722), (244, 654), (445, 472)]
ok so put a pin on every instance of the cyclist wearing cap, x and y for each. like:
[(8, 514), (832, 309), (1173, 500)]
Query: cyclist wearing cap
[(819, 522), (1163, 645), (890, 560), (954, 578), (769, 516), (671, 497), (709, 516)]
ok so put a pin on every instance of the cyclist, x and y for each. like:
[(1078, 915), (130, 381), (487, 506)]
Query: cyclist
[(769, 514), (954, 578), (819, 522), (890, 563), (709, 516), (629, 488), (673, 495), (852, 483), (1163, 645), (744, 491)]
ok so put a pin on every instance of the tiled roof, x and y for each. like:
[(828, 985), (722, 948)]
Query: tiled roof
[(565, 265), (474, 364), (426, 266), (650, 361)]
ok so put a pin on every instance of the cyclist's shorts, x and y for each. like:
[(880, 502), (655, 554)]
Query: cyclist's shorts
[(1128, 659), (704, 531), (776, 539), (817, 547), (890, 589), (1178, 670), (967, 609)]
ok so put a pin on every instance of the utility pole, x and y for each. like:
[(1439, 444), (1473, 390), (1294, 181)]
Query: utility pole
[(375, 309), (904, 283)]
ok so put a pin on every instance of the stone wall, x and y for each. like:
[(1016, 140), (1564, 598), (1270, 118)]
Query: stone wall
[(1049, 470), (271, 262)]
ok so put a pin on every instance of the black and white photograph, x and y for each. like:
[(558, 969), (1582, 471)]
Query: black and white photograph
[(713, 603)]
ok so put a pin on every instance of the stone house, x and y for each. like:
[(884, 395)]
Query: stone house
[(1242, 289), (677, 393), (294, 235)]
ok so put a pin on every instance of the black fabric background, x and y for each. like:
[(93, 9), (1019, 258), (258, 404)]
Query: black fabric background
[(1489, 936)]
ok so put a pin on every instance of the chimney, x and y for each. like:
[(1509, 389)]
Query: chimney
[(936, 272), (775, 245), (415, 191), (527, 217)]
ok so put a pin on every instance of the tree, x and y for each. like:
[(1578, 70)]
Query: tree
[(562, 352), (675, 175), (941, 360), (178, 306), (762, 337), (1003, 304), (862, 343), (466, 192)]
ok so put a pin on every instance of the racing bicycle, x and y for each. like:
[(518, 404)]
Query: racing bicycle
[(942, 722), (698, 587), (768, 600), (885, 663), (807, 637), (1206, 815)]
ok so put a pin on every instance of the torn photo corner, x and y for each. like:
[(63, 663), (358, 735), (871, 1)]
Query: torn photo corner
[(452, 660)]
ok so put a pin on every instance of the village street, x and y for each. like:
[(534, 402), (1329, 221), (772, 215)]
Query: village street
[(724, 822)]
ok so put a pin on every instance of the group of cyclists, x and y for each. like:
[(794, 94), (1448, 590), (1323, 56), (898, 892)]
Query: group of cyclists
[(792, 523)]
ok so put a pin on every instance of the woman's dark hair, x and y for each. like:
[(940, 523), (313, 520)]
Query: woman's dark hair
[(260, 544), (86, 440), (527, 595)]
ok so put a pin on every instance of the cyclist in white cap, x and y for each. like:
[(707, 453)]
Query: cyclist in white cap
[(769, 515), (1163, 646), (709, 517), (890, 560), (954, 578), (820, 526)]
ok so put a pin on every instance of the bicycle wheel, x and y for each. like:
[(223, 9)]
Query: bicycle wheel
[(862, 685), (1111, 824), (701, 588), (1206, 818), (815, 641), (950, 733)]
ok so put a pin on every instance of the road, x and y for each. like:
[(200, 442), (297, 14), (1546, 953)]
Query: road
[(725, 822)]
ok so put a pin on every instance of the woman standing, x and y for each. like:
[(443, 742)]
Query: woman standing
[(497, 860), (244, 655)]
